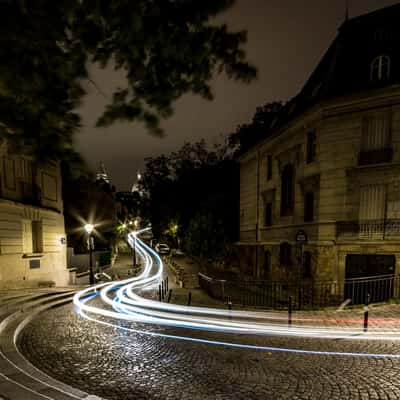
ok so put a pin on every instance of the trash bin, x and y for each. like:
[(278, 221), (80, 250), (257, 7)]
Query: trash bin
[(72, 276)]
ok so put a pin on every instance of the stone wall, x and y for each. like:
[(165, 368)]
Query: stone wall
[(18, 269)]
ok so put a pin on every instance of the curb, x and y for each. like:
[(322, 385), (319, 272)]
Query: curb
[(21, 379)]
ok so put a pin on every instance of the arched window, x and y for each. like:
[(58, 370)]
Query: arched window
[(380, 68), (287, 190), (285, 256)]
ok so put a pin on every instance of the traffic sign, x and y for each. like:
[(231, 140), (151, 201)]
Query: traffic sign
[(301, 236)]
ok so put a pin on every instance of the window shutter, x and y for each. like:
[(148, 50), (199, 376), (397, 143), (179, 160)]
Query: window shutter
[(376, 133), (372, 202)]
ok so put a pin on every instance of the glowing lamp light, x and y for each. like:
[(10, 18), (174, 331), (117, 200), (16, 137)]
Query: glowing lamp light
[(123, 226), (89, 228)]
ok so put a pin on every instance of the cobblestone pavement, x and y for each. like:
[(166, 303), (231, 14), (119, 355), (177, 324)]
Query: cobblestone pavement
[(117, 364)]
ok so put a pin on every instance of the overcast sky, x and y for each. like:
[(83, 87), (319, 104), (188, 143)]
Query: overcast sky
[(286, 39)]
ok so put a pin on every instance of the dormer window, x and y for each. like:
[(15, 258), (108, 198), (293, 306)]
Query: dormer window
[(380, 68)]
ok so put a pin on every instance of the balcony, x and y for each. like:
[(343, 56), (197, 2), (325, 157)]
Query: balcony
[(30, 194), (369, 229), (375, 156)]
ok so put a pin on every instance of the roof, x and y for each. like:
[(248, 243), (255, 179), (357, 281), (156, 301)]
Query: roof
[(345, 67)]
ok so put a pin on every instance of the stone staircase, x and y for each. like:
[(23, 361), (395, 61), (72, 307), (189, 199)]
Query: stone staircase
[(20, 380), (186, 276), (190, 280)]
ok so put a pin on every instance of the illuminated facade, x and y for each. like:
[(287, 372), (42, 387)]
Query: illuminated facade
[(330, 166), (32, 235)]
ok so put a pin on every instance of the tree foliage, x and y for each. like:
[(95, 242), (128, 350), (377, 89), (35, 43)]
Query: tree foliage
[(264, 119), (165, 48), (196, 189)]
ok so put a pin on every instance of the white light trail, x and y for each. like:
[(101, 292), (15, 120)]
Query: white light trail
[(121, 301)]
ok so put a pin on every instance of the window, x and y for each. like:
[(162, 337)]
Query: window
[(285, 254), (268, 214), (9, 173), (37, 244), (372, 210), (267, 261), (311, 147), (306, 264), (32, 237), (287, 190), (308, 207), (375, 141), (269, 168), (380, 68)]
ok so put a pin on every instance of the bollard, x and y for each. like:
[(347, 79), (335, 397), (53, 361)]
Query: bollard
[(159, 292), (189, 299), (165, 286), (167, 281), (230, 306), (290, 311), (366, 313), (169, 295), (162, 289)]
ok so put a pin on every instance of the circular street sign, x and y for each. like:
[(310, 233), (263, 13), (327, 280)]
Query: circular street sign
[(301, 236)]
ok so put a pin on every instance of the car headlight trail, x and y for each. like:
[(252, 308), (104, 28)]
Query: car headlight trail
[(122, 301)]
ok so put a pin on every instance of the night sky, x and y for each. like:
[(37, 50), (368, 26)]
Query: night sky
[(286, 39)]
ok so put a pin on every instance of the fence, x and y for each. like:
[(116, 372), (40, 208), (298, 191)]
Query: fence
[(304, 294)]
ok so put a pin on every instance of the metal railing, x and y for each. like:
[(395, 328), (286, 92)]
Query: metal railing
[(381, 288), (275, 294), (368, 229)]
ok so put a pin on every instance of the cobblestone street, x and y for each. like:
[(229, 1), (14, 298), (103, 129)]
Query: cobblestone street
[(116, 364)]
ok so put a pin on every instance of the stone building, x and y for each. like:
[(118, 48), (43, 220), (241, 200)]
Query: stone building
[(328, 167), (32, 235)]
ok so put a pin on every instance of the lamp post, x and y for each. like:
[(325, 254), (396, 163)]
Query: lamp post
[(90, 245), (134, 243)]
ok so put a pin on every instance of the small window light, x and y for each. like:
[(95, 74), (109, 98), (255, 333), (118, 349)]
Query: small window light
[(380, 68)]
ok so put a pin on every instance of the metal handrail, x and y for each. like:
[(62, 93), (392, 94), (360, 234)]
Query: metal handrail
[(371, 278), (209, 279)]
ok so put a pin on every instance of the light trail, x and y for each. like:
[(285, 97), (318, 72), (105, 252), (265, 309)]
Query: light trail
[(121, 302)]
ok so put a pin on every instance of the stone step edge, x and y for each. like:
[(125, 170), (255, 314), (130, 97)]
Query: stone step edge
[(32, 298), (35, 373)]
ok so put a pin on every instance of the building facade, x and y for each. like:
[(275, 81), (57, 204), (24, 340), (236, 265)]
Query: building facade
[(32, 234), (320, 195)]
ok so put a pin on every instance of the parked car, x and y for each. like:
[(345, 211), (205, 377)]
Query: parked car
[(162, 248)]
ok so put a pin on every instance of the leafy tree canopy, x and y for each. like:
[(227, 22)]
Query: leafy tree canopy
[(247, 135), (165, 48), (192, 185)]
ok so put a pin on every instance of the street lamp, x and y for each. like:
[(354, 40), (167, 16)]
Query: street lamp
[(134, 243), (90, 245)]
